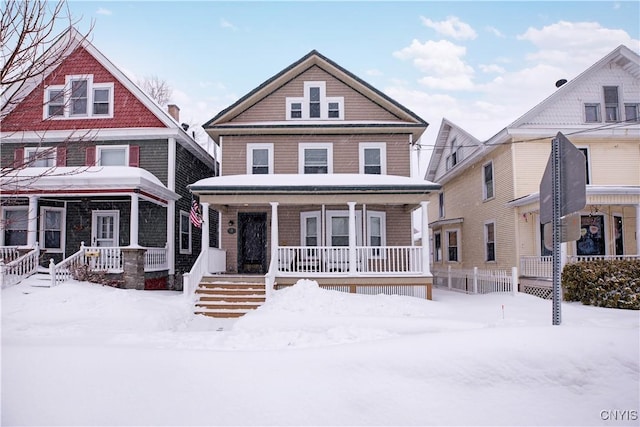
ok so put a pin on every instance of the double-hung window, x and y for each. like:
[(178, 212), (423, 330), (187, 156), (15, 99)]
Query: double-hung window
[(441, 205), (611, 105), (490, 241), (101, 101), (592, 113), (314, 104), (487, 176), (15, 222), (185, 233), (631, 112), (452, 246), (437, 247), (373, 158), (259, 159), (315, 158), (52, 229), (79, 95), (55, 102), (40, 157)]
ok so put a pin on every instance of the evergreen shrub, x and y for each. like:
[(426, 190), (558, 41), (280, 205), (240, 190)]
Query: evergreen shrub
[(603, 283)]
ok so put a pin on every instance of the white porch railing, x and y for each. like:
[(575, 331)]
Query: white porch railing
[(63, 271), (9, 253), (542, 266), (334, 260), (19, 267), (477, 281), (155, 259)]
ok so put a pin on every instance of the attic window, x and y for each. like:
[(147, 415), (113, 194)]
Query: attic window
[(455, 157), (611, 103), (78, 98), (315, 104)]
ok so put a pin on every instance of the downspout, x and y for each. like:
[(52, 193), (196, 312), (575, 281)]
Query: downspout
[(171, 207)]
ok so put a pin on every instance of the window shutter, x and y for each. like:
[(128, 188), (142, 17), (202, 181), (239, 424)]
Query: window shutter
[(61, 156), (18, 157), (90, 156), (134, 156)]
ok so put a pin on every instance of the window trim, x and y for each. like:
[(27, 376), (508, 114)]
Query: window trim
[(382, 215), (302, 146), (100, 148), (63, 212), (635, 105), (441, 212), (185, 251), (260, 146), (486, 241), (35, 150), (66, 88), (382, 146), (3, 217), (485, 187), (303, 227), (615, 105), (598, 111), (437, 256), (447, 245), (305, 102)]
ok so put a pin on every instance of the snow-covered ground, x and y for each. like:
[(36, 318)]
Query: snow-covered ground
[(83, 354)]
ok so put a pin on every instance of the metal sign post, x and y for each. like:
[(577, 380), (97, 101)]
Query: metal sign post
[(562, 193)]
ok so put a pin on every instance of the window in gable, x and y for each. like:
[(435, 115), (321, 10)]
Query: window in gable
[(101, 101), (631, 112), (334, 110), (78, 97), (592, 113), (55, 102), (488, 186), (454, 157), (611, 103), (296, 110), (314, 103)]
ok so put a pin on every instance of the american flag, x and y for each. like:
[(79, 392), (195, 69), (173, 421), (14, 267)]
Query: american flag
[(194, 215)]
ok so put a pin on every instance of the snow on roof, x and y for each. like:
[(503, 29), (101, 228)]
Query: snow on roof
[(96, 178), (302, 182)]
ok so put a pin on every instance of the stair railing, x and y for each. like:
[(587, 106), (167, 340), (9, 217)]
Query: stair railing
[(64, 270), (191, 279), (20, 268)]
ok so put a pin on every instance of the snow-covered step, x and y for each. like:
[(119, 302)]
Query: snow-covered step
[(229, 297)]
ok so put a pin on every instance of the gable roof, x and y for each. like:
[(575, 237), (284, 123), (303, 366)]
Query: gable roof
[(314, 58), (71, 40), (622, 56)]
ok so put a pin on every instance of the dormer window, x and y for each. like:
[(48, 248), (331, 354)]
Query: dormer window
[(315, 104), (78, 98)]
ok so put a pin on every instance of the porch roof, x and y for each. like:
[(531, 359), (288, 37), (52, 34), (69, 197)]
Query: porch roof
[(85, 180), (324, 188), (592, 190)]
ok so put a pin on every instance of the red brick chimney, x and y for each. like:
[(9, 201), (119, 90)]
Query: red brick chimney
[(174, 112)]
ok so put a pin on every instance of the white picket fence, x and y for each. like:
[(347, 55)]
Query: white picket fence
[(477, 281)]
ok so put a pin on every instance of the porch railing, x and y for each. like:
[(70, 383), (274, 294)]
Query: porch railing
[(19, 267), (155, 259), (9, 253), (64, 270), (211, 261), (542, 266), (335, 260)]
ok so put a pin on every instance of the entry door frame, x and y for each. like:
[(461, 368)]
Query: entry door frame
[(260, 244), (95, 238)]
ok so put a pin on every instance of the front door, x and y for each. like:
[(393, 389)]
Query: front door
[(252, 242), (104, 228)]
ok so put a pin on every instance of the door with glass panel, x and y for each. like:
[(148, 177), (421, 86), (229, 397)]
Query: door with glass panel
[(104, 230)]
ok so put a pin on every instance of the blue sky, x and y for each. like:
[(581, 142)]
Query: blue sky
[(480, 64)]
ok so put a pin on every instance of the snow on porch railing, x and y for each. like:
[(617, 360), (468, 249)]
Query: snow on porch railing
[(477, 281), (9, 253), (19, 268)]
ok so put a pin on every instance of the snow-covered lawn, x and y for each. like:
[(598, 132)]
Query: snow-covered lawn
[(83, 354)]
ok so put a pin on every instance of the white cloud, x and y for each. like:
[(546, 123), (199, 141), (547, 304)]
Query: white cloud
[(103, 11), (451, 27), (578, 43), (496, 32), (374, 73), (226, 24), (491, 68), (441, 61)]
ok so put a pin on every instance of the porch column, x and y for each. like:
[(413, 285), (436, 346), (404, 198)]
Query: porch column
[(352, 238), (274, 232), (638, 229), (32, 225), (426, 268), (133, 222), (205, 227)]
